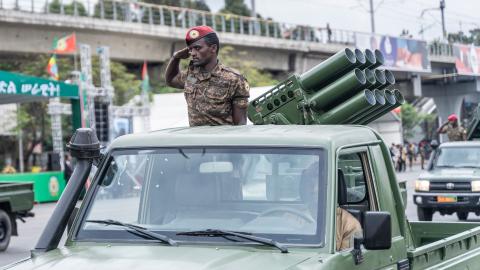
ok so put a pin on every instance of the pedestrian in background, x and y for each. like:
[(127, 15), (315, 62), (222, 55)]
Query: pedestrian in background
[(410, 154)]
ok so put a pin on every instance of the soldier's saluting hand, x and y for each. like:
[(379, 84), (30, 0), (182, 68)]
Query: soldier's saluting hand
[(215, 94)]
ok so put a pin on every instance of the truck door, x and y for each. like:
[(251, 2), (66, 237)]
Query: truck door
[(355, 166)]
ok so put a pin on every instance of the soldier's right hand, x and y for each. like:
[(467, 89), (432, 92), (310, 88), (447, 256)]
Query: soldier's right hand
[(182, 54)]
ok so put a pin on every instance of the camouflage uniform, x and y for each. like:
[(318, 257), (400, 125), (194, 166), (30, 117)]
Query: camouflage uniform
[(454, 133), (347, 227), (211, 95)]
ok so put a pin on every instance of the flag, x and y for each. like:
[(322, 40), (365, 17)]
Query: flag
[(145, 79), (66, 44), (52, 68)]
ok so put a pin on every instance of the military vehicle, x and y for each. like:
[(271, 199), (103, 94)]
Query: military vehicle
[(16, 201), (264, 196), (451, 183)]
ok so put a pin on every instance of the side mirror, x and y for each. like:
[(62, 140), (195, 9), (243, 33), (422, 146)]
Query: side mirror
[(377, 230)]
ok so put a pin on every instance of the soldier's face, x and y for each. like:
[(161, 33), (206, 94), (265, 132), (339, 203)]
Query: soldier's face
[(202, 53)]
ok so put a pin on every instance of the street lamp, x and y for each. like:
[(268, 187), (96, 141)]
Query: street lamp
[(441, 8)]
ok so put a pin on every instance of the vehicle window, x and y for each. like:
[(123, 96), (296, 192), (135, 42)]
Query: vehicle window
[(354, 175), (275, 193), (457, 157)]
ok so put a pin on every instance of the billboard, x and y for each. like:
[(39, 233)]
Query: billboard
[(400, 53), (466, 59)]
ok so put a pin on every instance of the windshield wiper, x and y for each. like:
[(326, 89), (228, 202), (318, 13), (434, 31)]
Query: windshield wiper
[(243, 235), (137, 230)]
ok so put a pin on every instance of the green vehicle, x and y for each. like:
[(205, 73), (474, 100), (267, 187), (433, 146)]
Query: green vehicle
[(240, 198), (452, 183), (16, 201)]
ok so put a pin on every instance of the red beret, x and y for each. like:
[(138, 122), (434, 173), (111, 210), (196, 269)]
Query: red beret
[(452, 117), (197, 32)]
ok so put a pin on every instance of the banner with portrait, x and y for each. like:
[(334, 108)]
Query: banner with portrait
[(400, 53), (467, 59)]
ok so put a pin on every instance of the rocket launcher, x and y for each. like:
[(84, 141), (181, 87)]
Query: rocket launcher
[(347, 88)]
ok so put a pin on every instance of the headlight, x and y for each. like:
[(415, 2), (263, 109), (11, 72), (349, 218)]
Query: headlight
[(476, 186), (424, 185)]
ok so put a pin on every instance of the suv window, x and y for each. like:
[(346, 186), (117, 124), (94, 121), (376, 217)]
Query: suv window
[(354, 175)]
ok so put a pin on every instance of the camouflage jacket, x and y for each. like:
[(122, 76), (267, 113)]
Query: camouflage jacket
[(454, 133), (211, 95)]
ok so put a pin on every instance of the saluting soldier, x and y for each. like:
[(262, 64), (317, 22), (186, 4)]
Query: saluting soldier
[(215, 94), (454, 131)]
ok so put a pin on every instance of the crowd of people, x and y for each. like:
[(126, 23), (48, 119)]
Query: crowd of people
[(408, 153)]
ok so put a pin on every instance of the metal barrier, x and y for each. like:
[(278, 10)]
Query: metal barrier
[(136, 12), (441, 49)]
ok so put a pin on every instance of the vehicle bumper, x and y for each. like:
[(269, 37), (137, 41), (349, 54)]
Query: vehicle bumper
[(464, 201)]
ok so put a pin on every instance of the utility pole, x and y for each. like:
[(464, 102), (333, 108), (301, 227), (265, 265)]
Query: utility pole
[(442, 9), (254, 12), (372, 16)]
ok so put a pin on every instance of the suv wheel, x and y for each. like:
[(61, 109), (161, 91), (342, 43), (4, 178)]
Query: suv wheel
[(424, 214), (5, 230), (462, 215)]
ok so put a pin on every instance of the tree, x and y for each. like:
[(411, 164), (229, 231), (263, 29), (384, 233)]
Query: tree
[(192, 4), (460, 37), (69, 9), (237, 7), (411, 118)]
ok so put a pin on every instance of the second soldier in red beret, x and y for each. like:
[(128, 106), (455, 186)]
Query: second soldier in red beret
[(215, 94), (454, 131)]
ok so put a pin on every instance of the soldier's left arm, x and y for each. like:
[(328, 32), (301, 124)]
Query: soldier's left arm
[(240, 102)]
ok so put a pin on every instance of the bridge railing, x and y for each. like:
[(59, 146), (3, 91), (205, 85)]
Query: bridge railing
[(441, 49), (128, 11), (136, 12)]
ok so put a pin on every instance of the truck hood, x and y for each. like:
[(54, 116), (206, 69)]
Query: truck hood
[(162, 257), (449, 174)]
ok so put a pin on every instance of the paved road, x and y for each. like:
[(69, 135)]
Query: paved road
[(30, 231)]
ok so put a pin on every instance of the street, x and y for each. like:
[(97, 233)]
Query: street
[(30, 231)]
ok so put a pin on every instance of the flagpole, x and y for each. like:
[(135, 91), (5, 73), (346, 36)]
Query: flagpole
[(75, 53)]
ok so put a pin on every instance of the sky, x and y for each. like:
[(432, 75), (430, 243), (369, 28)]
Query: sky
[(391, 16)]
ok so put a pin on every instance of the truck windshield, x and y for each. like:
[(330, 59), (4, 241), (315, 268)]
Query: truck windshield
[(267, 192), (457, 157)]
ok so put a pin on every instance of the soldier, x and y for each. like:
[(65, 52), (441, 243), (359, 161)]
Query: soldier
[(454, 131), (215, 94)]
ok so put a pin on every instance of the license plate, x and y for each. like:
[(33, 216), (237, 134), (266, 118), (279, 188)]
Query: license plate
[(446, 199)]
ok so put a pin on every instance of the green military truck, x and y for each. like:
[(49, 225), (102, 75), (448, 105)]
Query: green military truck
[(16, 201), (255, 197), (451, 183), (235, 198)]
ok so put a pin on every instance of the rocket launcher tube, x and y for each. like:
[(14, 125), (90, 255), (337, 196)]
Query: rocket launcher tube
[(361, 60), (399, 100), (380, 77), (380, 102), (389, 100), (346, 86), (370, 59), (328, 70), (361, 100), (380, 60), (370, 76), (389, 77)]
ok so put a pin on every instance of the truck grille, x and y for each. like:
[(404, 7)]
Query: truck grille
[(447, 186)]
